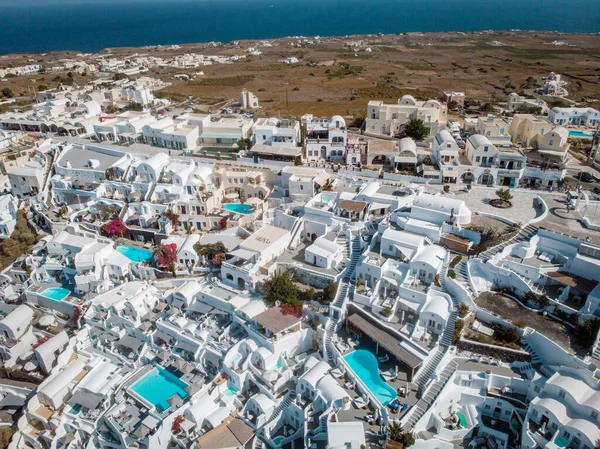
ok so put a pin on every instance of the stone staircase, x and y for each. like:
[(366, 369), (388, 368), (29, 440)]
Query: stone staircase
[(446, 339), (418, 410), (524, 234), (428, 370), (287, 401), (534, 356), (437, 387), (462, 277)]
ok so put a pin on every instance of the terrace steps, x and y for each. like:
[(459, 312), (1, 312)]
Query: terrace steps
[(428, 370), (446, 339), (462, 276), (524, 234)]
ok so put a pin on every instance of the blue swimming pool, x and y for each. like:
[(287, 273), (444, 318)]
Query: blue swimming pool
[(561, 441), (56, 293), (583, 134), (239, 208), (366, 367), (159, 385), (135, 254)]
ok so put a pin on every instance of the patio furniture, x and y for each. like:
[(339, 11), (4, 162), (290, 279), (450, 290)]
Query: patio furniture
[(476, 442)]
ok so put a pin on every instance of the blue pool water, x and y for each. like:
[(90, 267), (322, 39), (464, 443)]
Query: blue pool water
[(159, 385), (239, 208), (587, 135), (56, 293), (561, 441), (278, 440), (462, 419), (135, 254), (236, 357), (231, 391), (366, 367)]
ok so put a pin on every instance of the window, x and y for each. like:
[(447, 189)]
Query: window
[(562, 393), (485, 148), (594, 414), (484, 160), (536, 389), (477, 159), (264, 137), (534, 412), (489, 133), (487, 406), (501, 131), (567, 434), (551, 142), (391, 247), (301, 187)]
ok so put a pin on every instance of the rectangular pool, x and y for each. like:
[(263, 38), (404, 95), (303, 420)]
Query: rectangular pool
[(56, 293), (158, 385), (135, 254)]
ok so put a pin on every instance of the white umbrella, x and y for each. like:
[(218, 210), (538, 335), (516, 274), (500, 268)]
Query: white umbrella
[(47, 320)]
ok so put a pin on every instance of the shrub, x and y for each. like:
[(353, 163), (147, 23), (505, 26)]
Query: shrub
[(585, 334), (294, 309), (446, 188), (172, 217), (463, 309), (451, 274), (436, 280), (458, 328), (166, 256), (455, 261), (387, 312), (114, 227), (520, 323), (330, 291), (506, 335), (479, 248)]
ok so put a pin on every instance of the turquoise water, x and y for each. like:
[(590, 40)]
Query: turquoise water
[(56, 293), (366, 367), (587, 135), (76, 409), (279, 364), (135, 254), (462, 419), (231, 391), (159, 385), (278, 440), (236, 357), (561, 441), (239, 208)]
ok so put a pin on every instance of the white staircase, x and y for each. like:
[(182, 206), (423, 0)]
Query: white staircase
[(524, 234), (427, 371)]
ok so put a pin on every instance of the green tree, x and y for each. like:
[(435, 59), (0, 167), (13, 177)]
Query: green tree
[(407, 439), (209, 250), (7, 92), (243, 144), (504, 195), (330, 291), (280, 287), (416, 129)]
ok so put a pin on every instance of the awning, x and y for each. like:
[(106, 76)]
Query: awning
[(232, 196), (185, 346), (130, 342), (162, 336), (243, 254), (379, 206)]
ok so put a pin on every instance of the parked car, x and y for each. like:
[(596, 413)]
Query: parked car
[(400, 135), (595, 192), (588, 177), (188, 110)]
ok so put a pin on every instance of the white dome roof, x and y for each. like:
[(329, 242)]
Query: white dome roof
[(407, 99), (407, 144), (337, 121)]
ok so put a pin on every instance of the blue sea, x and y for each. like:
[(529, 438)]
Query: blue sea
[(91, 25)]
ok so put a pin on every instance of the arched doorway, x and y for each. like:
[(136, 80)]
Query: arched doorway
[(467, 177), (486, 179), (313, 237), (241, 284)]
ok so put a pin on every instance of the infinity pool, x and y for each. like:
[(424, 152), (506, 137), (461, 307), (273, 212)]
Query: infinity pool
[(462, 419), (239, 208), (159, 385), (366, 367), (561, 441), (56, 293), (583, 134), (135, 254)]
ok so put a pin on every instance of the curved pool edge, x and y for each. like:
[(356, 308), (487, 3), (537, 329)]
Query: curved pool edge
[(371, 393)]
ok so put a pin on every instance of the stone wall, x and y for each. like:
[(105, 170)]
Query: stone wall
[(498, 352)]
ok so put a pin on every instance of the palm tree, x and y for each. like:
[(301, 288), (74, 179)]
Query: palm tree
[(395, 431)]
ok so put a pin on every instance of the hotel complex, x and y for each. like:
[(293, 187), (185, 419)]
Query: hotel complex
[(217, 280)]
